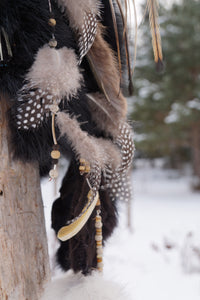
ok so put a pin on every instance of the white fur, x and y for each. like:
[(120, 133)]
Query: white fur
[(56, 71), (78, 287)]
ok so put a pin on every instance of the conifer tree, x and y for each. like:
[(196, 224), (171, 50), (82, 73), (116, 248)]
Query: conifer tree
[(167, 105)]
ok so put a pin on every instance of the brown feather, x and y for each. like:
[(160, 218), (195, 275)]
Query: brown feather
[(104, 65), (116, 35), (125, 35)]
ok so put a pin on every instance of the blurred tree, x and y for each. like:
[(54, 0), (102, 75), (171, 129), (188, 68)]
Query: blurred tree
[(167, 105)]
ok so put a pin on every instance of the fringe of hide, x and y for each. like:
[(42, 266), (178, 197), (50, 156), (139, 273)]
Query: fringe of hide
[(75, 287)]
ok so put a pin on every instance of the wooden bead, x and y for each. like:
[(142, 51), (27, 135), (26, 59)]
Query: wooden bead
[(53, 174), (98, 238), (99, 252), (53, 43), (82, 161), (55, 154), (87, 169), (100, 266), (98, 225), (52, 22), (54, 108), (81, 168), (99, 243)]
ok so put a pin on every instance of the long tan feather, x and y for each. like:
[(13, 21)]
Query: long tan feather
[(155, 32), (136, 32)]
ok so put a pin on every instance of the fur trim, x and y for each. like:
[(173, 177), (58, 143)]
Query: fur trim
[(76, 287), (26, 23), (55, 70), (103, 61), (105, 114), (79, 253), (77, 9), (94, 150)]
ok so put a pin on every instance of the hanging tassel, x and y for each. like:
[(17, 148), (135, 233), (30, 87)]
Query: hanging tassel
[(99, 236), (55, 153)]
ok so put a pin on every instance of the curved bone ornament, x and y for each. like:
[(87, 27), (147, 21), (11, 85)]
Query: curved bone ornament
[(68, 231)]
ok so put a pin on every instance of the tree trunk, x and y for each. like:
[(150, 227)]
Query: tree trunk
[(24, 263)]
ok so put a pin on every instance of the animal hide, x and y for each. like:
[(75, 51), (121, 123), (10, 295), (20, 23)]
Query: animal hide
[(80, 75)]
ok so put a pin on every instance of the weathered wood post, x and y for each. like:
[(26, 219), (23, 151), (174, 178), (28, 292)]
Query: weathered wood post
[(24, 263)]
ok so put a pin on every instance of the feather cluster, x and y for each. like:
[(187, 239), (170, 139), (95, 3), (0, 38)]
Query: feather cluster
[(83, 19), (54, 75), (92, 125)]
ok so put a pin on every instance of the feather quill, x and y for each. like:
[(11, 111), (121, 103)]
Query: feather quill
[(155, 32)]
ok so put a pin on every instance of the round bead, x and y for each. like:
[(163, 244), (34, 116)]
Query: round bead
[(55, 154), (53, 174), (52, 22), (99, 251), (53, 43), (99, 246), (81, 168), (98, 224), (54, 108), (98, 238), (100, 265), (82, 161), (87, 169)]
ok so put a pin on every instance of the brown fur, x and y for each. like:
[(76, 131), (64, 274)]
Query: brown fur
[(104, 61), (105, 114)]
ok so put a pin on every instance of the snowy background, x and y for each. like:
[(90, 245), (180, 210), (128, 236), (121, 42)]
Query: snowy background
[(160, 258)]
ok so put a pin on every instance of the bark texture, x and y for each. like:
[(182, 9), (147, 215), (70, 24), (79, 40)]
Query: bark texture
[(24, 263)]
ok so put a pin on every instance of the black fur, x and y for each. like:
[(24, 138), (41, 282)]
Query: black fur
[(79, 253), (26, 22)]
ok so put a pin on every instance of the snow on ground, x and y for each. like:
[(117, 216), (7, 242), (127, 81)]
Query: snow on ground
[(160, 258)]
